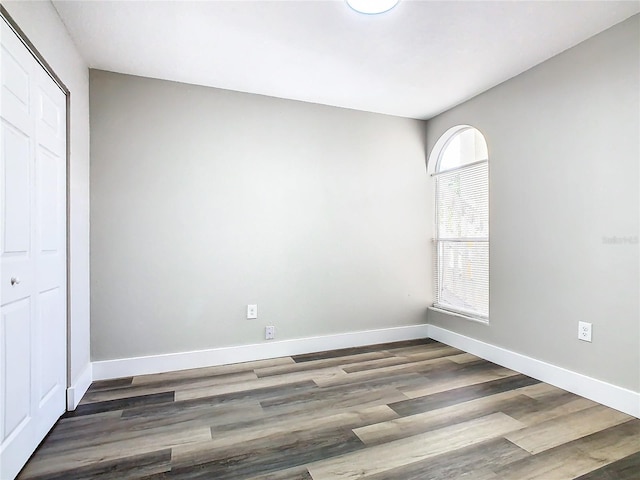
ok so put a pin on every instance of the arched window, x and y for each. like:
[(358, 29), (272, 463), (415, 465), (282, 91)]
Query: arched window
[(462, 222)]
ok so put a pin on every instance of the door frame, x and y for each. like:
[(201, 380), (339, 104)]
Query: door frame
[(49, 70)]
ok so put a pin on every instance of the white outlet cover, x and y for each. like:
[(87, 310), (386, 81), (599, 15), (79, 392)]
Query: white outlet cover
[(252, 311), (584, 331), (269, 333)]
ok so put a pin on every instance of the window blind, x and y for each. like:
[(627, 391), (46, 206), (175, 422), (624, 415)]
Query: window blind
[(462, 240)]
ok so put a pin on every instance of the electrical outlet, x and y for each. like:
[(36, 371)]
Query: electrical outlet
[(252, 311), (269, 332), (584, 331)]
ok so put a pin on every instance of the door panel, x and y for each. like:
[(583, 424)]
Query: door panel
[(33, 293), (48, 167), (16, 81), (49, 304), (16, 351), (17, 187), (50, 113)]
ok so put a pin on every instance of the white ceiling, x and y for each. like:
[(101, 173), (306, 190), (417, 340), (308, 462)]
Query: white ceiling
[(416, 60)]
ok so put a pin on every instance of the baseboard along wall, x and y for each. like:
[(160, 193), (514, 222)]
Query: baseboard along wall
[(79, 387), (619, 398)]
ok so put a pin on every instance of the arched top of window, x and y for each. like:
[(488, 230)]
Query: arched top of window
[(459, 146)]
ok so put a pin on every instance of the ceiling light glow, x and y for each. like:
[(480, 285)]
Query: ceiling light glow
[(372, 7)]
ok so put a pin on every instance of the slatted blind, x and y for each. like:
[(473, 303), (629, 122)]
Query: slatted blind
[(462, 241)]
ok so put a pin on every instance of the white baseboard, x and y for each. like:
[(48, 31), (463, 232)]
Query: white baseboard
[(76, 391), (127, 367), (619, 398)]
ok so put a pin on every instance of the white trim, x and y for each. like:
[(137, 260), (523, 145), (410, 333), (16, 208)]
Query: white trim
[(462, 239), (459, 313), (76, 391), (440, 145), (126, 367), (621, 399), (455, 169)]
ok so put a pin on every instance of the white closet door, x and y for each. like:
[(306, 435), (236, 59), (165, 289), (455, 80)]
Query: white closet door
[(33, 306)]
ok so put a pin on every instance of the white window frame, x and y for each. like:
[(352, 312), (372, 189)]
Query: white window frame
[(438, 240)]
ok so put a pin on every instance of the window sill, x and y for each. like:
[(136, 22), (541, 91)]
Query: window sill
[(483, 321)]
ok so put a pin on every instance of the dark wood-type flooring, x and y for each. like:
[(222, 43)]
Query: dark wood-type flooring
[(415, 410)]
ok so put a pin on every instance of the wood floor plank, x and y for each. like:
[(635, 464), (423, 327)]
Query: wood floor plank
[(395, 429), (121, 404), (459, 395), (465, 368), (203, 372), (381, 458), (110, 384), (463, 358), (473, 462), (564, 405), (272, 427), (549, 434), (405, 359), (262, 456), (374, 390), (295, 473), (425, 354), (578, 457), (321, 408), (423, 366), (133, 467), (259, 393), (187, 382), (375, 364), (323, 363), (380, 396), (459, 380), (627, 468), (433, 369), (542, 391), (172, 420), (181, 412), (174, 385), (249, 385), (86, 422), (356, 350), (43, 463), (399, 380), (407, 348)]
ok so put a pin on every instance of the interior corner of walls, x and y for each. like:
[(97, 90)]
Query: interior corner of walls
[(612, 396), (79, 387)]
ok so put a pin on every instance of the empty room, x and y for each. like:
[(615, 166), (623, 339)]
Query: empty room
[(324, 239)]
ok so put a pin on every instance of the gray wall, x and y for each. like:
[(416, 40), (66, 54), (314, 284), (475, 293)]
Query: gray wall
[(205, 200), (43, 27), (564, 159)]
